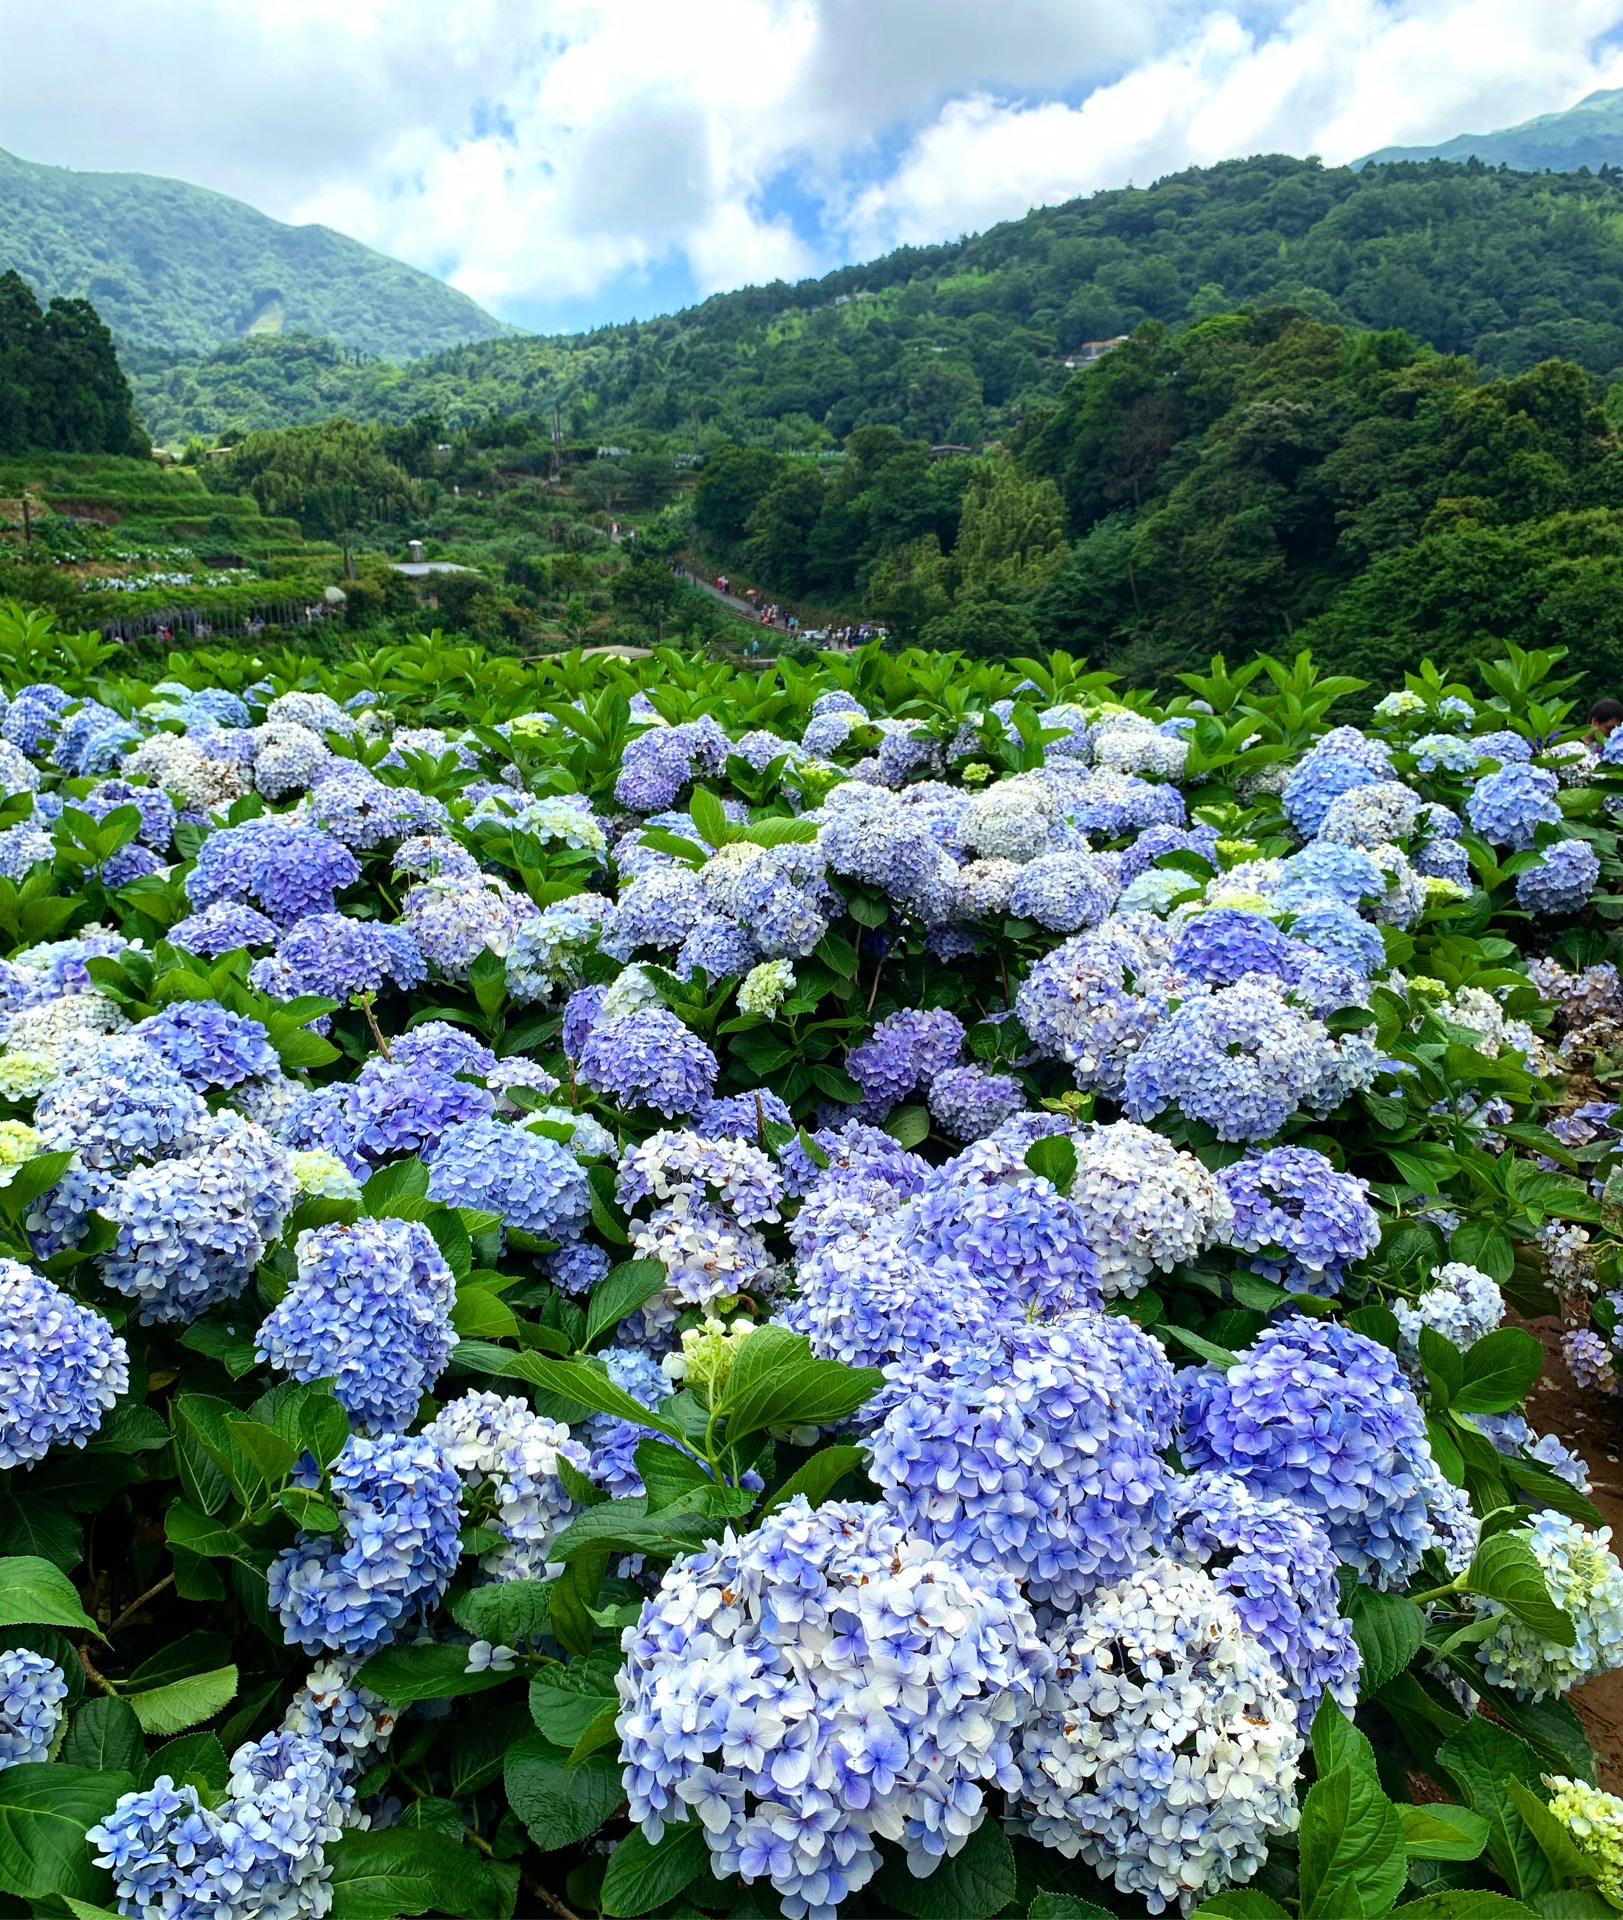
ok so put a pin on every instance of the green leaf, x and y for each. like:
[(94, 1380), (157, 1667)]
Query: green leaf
[(105, 1737), (1053, 1158), (482, 1315), (800, 1394), (975, 1882), (1351, 1843), (36, 1528), (1499, 1370), (1484, 1245), (1207, 1350), (909, 1126), (604, 1731), (33, 1178), (558, 1803), (1389, 1631), (1066, 1906), (709, 817), (1234, 1903), (195, 1758), (186, 1527), (587, 1385), (183, 1703), (818, 1477), (1376, 1322), (641, 1877), (34, 1593), (406, 1674), (1466, 1903), (564, 1701), (1483, 1759), (400, 1870), (668, 1474), (129, 1427), (506, 1612), (1504, 1568), (44, 1812), (83, 1910), (401, 1180), (1551, 1726), (1442, 1832), (1337, 1742), (1575, 1903), (1557, 1845), (621, 1291), (1444, 1365), (273, 1455)]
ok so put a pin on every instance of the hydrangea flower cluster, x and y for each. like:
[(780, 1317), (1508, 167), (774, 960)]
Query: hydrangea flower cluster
[(649, 1059), (1462, 1303), (822, 1684), (1165, 1748), (1144, 1204), (398, 1499), (533, 1182), (1307, 1221), (1595, 1821), (508, 1457), (1027, 1455), (1320, 1415), (32, 1690), (370, 1309), (61, 1365), (1586, 1582)]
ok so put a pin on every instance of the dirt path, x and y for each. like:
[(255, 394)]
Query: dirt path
[(1592, 1425)]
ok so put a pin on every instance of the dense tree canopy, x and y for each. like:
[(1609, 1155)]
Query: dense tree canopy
[(61, 387)]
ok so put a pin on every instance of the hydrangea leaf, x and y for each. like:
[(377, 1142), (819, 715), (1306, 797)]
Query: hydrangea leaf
[(1351, 1842), (977, 1881), (560, 1804), (1442, 1832), (1389, 1631), (1483, 1759), (399, 1871), (36, 1593), (44, 1812), (642, 1876)]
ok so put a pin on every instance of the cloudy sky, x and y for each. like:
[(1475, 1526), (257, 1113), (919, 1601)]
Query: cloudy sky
[(566, 162)]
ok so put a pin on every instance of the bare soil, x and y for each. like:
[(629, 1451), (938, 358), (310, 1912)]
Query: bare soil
[(1592, 1425)]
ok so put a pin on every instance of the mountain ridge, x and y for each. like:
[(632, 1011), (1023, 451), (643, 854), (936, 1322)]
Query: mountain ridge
[(174, 267), (1588, 134)]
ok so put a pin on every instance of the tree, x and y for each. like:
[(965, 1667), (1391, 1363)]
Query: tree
[(730, 486), (649, 592), (61, 387), (335, 480), (1012, 530)]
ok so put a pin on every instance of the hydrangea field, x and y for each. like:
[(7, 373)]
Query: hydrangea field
[(887, 1288)]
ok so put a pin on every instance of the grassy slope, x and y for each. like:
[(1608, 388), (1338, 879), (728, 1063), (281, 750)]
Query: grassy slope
[(172, 266)]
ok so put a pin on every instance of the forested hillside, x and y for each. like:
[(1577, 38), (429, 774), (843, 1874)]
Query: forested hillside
[(174, 267), (1587, 135), (959, 341)]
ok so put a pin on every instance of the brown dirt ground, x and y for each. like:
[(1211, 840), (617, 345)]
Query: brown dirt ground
[(1592, 1425)]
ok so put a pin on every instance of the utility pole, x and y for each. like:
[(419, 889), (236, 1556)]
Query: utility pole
[(557, 444)]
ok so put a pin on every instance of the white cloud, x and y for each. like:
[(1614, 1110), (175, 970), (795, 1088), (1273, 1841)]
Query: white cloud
[(542, 150)]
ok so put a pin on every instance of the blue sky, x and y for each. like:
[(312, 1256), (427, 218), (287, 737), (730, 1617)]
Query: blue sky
[(569, 163)]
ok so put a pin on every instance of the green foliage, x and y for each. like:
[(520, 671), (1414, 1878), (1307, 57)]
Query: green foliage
[(61, 385), (176, 267)]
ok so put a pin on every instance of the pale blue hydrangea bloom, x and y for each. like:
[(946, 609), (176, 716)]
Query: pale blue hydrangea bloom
[(61, 1365), (32, 1690), (370, 1309), (824, 1681), (533, 1182), (1586, 1582)]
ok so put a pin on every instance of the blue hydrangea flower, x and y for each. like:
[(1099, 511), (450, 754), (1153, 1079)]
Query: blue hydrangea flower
[(1509, 748), (285, 868), (138, 1109), (869, 1301), (1164, 1749), (222, 928), (1319, 778), (1142, 855), (61, 1365), (370, 1309), (156, 809), (508, 1456), (1343, 935), (354, 806), (1023, 1240), (904, 1053), (1221, 945), (32, 1692), (399, 1501), (577, 1266), (740, 1116), (209, 1046), (1507, 807), (31, 719), (1562, 881), (1066, 891), (654, 769), (1026, 1455), (967, 1103), (1306, 1220), (531, 1181), (821, 1682), (1243, 1059), (443, 1048), (1321, 1415), (331, 955), (1275, 1562), (649, 1059)]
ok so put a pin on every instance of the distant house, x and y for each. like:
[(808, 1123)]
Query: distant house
[(423, 573), (1092, 350)]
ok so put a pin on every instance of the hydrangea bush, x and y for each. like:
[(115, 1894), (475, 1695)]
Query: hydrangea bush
[(898, 1289)]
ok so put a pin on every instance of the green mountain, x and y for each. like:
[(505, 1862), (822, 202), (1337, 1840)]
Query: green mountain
[(176, 267), (1587, 135), (958, 342)]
